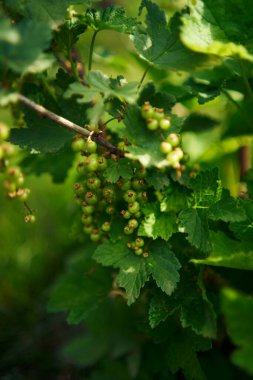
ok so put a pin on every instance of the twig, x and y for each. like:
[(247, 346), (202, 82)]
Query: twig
[(144, 76), (65, 123)]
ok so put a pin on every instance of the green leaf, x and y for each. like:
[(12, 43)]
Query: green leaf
[(156, 223), (80, 290), (194, 223), (244, 230), (145, 144), (159, 43), (174, 198), (100, 84), (68, 34), (156, 99), (111, 18), (164, 266), (207, 188), (249, 180), (22, 53), (111, 254), (227, 209), (228, 253), (182, 353), (132, 276), (159, 310), (238, 311), (51, 12), (117, 169), (219, 27), (157, 179)]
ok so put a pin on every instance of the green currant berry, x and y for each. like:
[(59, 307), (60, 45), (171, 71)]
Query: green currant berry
[(8, 150), (133, 207), (20, 180), (95, 236), (165, 124), (139, 242), (4, 132), (138, 184), (102, 205), (173, 139), (106, 227), (128, 230), (166, 147), (129, 196), (108, 192), (152, 124), (14, 172), (141, 173), (78, 189), (126, 214), (88, 229), (91, 198), (86, 219), (23, 194), (93, 183), (78, 145), (147, 110), (180, 154), (91, 163), (138, 251), (137, 215), (88, 209), (158, 114), (142, 196), (30, 218), (172, 159), (91, 146), (110, 210), (133, 223), (102, 163)]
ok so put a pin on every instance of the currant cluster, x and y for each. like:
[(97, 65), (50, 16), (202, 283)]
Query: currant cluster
[(158, 121), (14, 177), (103, 202)]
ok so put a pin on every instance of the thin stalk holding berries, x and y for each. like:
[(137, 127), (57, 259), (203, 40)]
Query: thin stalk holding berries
[(92, 49)]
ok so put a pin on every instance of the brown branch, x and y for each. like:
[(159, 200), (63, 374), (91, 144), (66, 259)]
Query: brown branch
[(65, 123)]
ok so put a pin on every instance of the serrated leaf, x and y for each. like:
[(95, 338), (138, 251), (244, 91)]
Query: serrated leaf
[(160, 44), (164, 267), (156, 223), (111, 254), (244, 230), (117, 169), (159, 310), (219, 28), (238, 311), (80, 290), (175, 198), (228, 253), (68, 34), (194, 223), (100, 84), (51, 12), (207, 188), (157, 179), (145, 144), (227, 209), (111, 18), (157, 99), (23, 52), (132, 276)]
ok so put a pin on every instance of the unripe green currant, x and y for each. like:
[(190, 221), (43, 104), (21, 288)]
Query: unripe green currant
[(173, 139), (8, 150), (172, 159), (30, 218), (4, 132), (126, 214), (158, 114), (132, 223), (93, 183), (166, 147), (78, 145), (139, 242), (165, 124), (128, 230), (23, 194), (147, 110), (152, 124), (106, 226), (141, 173), (138, 251), (14, 172), (88, 209), (133, 207), (108, 192), (86, 219), (129, 196), (138, 184), (142, 196), (126, 185), (20, 180), (102, 205), (91, 198), (88, 229), (78, 189), (137, 215), (110, 210), (180, 154), (91, 163), (95, 235), (102, 163), (91, 146)]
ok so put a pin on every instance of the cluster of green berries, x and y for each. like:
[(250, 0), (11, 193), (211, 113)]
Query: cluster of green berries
[(101, 202), (155, 117), (157, 120), (14, 177)]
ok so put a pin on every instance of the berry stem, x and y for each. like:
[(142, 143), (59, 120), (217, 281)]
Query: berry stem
[(92, 49), (65, 123)]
